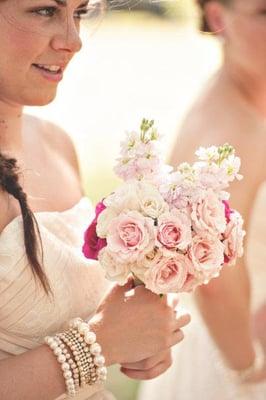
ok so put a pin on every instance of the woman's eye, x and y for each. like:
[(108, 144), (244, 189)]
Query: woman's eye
[(46, 11), (82, 13)]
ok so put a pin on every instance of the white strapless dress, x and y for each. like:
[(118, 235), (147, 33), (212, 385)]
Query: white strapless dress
[(198, 371), (27, 314)]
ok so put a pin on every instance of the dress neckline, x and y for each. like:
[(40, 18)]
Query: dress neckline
[(37, 214)]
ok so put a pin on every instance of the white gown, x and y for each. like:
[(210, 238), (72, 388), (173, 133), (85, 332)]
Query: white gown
[(198, 371), (27, 315)]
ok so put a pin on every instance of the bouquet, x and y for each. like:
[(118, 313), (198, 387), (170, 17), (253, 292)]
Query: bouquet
[(171, 229)]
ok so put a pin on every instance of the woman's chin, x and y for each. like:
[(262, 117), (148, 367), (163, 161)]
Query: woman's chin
[(41, 99)]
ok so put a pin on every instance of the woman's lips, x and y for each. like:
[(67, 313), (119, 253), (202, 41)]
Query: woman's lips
[(53, 73)]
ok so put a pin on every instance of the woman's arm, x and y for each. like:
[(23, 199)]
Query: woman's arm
[(32, 375)]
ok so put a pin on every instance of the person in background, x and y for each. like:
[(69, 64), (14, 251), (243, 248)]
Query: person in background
[(223, 357)]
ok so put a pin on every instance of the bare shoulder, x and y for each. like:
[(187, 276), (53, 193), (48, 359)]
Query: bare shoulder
[(56, 139)]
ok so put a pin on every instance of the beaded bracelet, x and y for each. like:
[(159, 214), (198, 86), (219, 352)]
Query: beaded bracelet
[(63, 357), (79, 355)]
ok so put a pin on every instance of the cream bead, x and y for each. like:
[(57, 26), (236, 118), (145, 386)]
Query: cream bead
[(83, 328), (95, 349), (67, 374), (61, 359), (90, 338), (65, 366), (99, 360)]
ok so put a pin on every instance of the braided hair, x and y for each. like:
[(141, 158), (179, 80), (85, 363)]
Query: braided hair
[(9, 182)]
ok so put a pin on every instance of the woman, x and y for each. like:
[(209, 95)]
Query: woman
[(222, 357), (44, 280)]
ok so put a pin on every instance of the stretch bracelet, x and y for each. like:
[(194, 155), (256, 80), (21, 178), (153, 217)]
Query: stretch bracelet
[(79, 355), (64, 359)]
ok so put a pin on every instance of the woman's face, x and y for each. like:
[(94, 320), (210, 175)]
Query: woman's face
[(38, 39), (245, 35)]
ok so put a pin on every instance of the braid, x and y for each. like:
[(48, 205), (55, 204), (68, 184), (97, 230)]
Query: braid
[(9, 182)]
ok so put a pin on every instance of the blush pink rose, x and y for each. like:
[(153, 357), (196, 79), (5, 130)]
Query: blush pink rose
[(131, 236), (208, 215), (207, 256), (174, 230), (233, 239), (92, 243), (168, 275)]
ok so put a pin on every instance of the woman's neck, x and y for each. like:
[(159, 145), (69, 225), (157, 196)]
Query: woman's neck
[(250, 88), (11, 127)]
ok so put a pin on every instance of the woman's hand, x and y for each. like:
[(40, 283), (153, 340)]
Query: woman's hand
[(149, 368), (133, 324)]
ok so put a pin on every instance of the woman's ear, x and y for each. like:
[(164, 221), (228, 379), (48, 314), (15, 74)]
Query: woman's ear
[(215, 16)]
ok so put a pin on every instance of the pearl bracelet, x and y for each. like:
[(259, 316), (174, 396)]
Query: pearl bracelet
[(79, 355), (64, 358)]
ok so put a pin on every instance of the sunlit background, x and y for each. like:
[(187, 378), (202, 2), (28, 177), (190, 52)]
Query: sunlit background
[(136, 64)]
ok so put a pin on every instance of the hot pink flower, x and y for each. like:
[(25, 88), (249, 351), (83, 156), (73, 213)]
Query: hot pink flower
[(227, 211), (233, 238), (92, 243)]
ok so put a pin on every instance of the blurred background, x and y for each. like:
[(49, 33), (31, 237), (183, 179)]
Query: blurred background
[(142, 59)]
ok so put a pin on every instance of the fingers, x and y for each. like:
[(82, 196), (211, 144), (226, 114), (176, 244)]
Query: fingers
[(149, 373), (181, 321), (148, 363)]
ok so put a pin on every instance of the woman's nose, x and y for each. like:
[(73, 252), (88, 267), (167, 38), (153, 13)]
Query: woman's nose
[(68, 39)]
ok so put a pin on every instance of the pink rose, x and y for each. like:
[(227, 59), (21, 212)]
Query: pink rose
[(207, 256), (233, 239), (174, 230), (209, 215), (168, 275), (92, 243), (131, 236)]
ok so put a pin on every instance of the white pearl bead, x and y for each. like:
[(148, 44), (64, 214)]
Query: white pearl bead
[(67, 374), (57, 351), (70, 381), (75, 322), (95, 349), (53, 345), (99, 360), (90, 338), (101, 371), (48, 339), (61, 358), (65, 367), (83, 328)]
